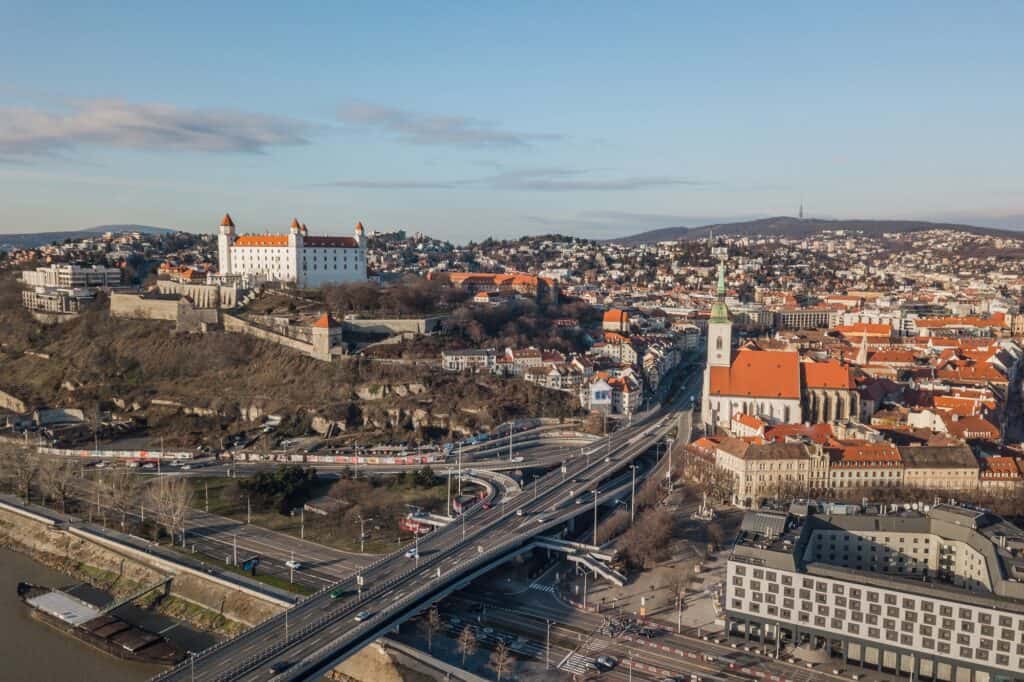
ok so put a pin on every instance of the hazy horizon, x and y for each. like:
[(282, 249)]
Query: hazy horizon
[(463, 122)]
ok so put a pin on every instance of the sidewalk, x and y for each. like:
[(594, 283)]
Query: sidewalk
[(650, 595)]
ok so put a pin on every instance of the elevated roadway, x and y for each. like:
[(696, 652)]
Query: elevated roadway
[(322, 631)]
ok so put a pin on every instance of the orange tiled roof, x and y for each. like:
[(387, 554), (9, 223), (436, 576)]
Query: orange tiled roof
[(615, 315), (262, 240), (829, 374), (865, 328), (326, 321), (749, 421), (938, 322), (226, 221), (819, 433), (759, 373), (861, 454), (1000, 467)]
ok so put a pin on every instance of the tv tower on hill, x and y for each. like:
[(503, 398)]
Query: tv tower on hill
[(801, 214)]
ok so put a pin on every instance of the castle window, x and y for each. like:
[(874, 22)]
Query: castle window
[(718, 343)]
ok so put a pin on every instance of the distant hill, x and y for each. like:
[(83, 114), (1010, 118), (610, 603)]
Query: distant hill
[(28, 240), (798, 228)]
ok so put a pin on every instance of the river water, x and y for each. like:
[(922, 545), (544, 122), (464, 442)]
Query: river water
[(32, 651)]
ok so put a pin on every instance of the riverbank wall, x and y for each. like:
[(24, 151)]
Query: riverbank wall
[(208, 604)]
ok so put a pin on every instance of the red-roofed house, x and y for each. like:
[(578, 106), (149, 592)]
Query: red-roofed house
[(745, 425), (615, 321), (1001, 473), (860, 464)]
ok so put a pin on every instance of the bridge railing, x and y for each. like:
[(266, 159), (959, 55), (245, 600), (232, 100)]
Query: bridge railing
[(402, 605)]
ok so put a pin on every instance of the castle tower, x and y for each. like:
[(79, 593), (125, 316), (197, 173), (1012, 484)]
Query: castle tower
[(225, 238), (361, 235), (326, 334)]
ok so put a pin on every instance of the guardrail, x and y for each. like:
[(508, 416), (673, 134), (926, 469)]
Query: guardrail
[(20, 509), (384, 618)]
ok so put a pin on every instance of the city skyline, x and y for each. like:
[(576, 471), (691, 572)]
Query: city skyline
[(464, 123)]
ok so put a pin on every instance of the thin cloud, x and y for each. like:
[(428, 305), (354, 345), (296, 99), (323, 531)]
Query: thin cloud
[(437, 130), (571, 180), (531, 180), (27, 133), (389, 184)]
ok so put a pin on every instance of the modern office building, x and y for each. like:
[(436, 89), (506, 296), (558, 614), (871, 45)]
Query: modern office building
[(931, 592)]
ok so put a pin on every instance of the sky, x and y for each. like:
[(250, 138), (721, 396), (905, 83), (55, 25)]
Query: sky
[(467, 120)]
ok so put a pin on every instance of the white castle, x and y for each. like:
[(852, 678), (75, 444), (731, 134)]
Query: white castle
[(295, 257)]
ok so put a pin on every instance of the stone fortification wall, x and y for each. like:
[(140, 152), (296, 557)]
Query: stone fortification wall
[(419, 325), (143, 308), (237, 324)]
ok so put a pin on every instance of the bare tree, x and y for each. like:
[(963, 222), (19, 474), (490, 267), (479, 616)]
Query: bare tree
[(171, 498), (501, 658), (716, 537), (55, 478), (467, 643), (22, 469), (122, 488), (432, 624)]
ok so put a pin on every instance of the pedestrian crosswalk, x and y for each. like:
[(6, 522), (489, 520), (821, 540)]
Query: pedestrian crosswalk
[(540, 587), (576, 663)]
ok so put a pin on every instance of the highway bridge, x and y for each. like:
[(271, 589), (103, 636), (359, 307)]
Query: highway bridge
[(323, 630)]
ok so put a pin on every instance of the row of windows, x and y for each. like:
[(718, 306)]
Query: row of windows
[(910, 606)]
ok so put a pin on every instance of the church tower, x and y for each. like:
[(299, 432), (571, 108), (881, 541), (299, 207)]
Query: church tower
[(720, 327), (225, 238)]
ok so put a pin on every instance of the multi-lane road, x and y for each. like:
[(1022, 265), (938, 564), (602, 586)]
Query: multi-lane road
[(322, 630)]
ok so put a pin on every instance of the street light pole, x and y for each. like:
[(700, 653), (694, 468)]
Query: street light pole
[(248, 509), (511, 428), (595, 517), (448, 507), (363, 534), (547, 655), (460, 468), (632, 500)]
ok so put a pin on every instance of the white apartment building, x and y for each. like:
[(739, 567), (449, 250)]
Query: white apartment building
[(303, 260), (66, 276)]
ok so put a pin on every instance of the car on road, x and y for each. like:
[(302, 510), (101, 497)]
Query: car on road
[(412, 554), (338, 592), (361, 616), (607, 662), (519, 512), (279, 667), (541, 520), (580, 500), (292, 563)]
